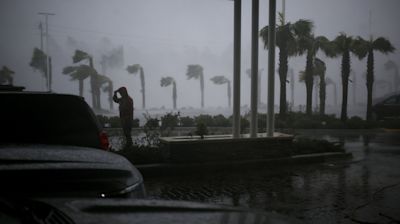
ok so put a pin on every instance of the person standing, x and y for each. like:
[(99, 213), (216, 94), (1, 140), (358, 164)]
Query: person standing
[(125, 113)]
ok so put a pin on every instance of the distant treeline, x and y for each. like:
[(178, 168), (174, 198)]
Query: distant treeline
[(295, 120)]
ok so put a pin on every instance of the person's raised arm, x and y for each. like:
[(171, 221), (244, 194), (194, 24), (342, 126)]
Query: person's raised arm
[(115, 97)]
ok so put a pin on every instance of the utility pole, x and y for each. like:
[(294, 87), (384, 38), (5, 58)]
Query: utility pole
[(41, 35), (48, 60)]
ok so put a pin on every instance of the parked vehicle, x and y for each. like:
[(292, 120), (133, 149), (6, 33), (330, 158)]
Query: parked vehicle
[(388, 107), (48, 118), (118, 211), (52, 145)]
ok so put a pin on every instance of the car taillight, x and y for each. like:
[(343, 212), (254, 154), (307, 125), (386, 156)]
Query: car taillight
[(104, 143)]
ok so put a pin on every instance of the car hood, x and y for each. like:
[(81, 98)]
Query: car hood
[(82, 211), (57, 153), (64, 170)]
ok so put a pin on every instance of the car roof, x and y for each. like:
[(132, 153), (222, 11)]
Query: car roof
[(37, 93)]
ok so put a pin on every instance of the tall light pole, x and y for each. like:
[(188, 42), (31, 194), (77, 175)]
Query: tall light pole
[(48, 61), (254, 68), (236, 66), (271, 68)]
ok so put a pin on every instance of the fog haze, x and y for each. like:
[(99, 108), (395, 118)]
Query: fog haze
[(164, 36)]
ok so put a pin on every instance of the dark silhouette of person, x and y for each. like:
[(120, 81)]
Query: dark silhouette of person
[(125, 113)]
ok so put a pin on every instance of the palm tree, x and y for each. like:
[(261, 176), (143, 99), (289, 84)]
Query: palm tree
[(311, 45), (166, 81), (39, 62), (320, 69), (80, 56), (316, 88), (80, 73), (286, 40), (113, 59), (219, 80), (329, 81), (100, 81), (196, 72), (110, 89), (135, 69), (343, 45), (391, 65), (366, 48), (6, 76)]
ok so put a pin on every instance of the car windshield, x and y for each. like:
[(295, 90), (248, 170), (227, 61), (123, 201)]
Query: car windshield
[(46, 119)]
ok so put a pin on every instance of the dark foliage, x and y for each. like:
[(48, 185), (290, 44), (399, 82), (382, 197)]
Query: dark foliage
[(201, 129), (169, 122), (187, 122)]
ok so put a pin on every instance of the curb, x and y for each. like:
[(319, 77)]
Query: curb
[(168, 169)]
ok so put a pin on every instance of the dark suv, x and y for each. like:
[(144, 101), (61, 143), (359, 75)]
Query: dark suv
[(388, 107), (52, 145)]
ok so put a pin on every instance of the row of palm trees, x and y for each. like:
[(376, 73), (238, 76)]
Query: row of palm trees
[(295, 39), (196, 72)]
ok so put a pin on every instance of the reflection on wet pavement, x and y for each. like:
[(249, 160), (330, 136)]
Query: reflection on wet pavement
[(363, 189)]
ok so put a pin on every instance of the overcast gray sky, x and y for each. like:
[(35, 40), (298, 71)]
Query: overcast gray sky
[(164, 36)]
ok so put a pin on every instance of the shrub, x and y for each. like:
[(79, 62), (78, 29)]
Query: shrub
[(169, 122), (221, 121), (205, 119), (187, 122), (151, 136), (355, 122), (201, 129)]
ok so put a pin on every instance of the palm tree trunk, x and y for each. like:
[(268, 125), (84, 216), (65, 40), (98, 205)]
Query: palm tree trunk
[(354, 89), (229, 94), (174, 94), (142, 82), (334, 94), (322, 95), (202, 90), (316, 93), (110, 94), (345, 83), (258, 91), (98, 93), (283, 68), (309, 82), (93, 86), (370, 83), (81, 87)]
